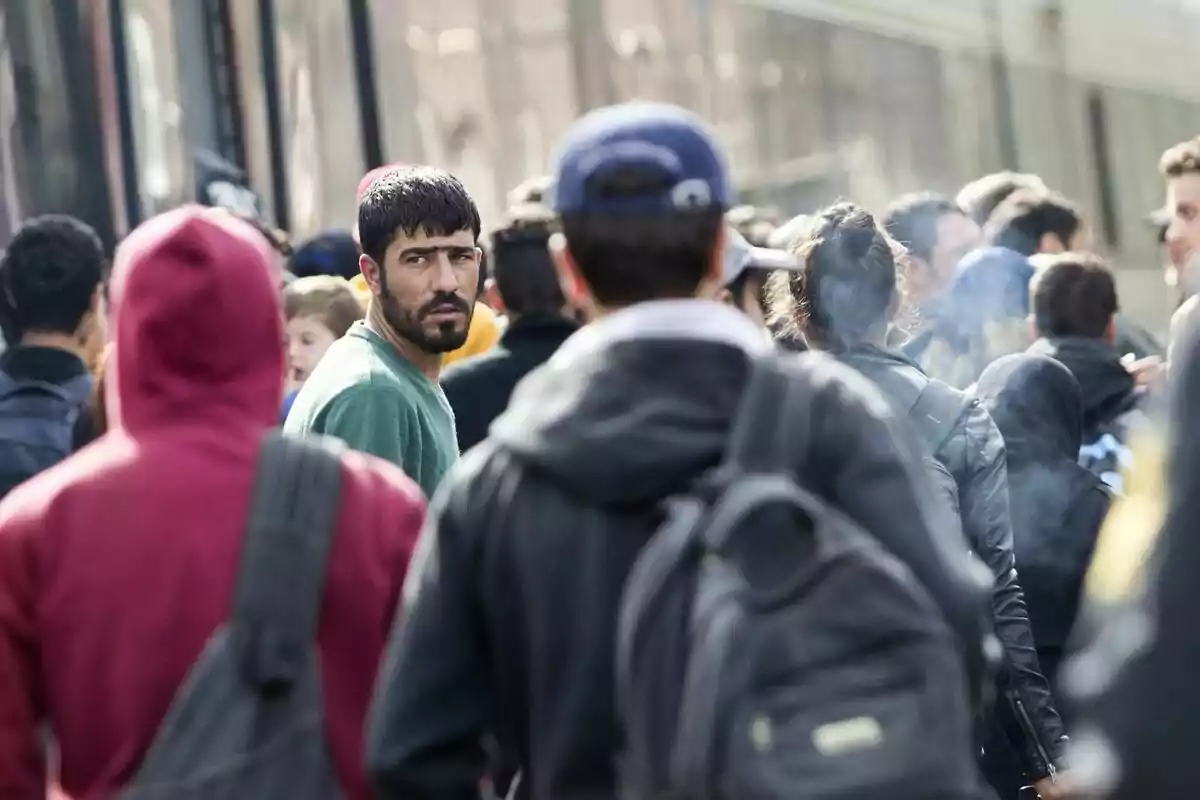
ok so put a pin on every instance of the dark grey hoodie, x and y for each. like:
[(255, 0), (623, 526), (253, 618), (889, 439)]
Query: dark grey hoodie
[(511, 625)]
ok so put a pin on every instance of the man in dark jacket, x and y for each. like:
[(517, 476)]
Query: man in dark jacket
[(52, 314), (117, 565), (1057, 509), (1074, 307), (526, 288), (511, 607)]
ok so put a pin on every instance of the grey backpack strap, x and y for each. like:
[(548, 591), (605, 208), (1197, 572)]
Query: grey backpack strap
[(936, 413), (770, 431), (281, 582)]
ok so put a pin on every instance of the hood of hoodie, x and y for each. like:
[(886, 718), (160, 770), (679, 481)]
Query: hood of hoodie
[(1107, 387), (198, 326), (629, 410), (1036, 404)]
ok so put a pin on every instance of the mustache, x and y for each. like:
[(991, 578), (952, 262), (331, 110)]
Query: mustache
[(444, 300)]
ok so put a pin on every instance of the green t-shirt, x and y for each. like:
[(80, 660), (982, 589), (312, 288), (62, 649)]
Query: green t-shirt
[(369, 396)]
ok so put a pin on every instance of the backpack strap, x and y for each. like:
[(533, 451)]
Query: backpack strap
[(76, 391), (754, 444), (289, 533), (770, 430), (937, 411)]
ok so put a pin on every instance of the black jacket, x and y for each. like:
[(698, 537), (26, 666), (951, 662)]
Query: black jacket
[(479, 388), (511, 622), (1057, 505), (37, 426), (1112, 401), (975, 457)]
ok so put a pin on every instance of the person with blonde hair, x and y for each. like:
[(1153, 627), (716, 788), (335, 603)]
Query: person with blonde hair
[(319, 310)]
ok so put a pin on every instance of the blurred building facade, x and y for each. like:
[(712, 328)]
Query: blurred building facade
[(117, 109)]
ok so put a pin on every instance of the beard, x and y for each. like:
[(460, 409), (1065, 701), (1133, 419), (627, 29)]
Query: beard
[(409, 325)]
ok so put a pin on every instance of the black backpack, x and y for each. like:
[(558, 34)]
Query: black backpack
[(37, 424), (249, 721), (770, 649), (937, 413)]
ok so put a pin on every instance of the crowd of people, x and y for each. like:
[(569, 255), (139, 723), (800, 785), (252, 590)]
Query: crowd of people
[(634, 493)]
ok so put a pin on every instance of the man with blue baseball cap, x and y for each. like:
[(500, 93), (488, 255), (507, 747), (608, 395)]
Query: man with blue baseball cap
[(510, 625)]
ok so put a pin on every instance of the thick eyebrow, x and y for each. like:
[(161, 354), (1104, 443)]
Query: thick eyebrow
[(430, 251)]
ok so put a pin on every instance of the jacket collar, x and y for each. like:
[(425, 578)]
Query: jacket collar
[(688, 320)]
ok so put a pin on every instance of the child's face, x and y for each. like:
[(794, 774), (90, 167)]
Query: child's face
[(307, 341)]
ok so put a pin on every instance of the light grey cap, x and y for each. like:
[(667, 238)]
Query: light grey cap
[(740, 256)]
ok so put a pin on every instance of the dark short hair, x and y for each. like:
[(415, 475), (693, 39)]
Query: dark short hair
[(1182, 159), (912, 221), (848, 283), (980, 197), (49, 274), (409, 200), (276, 238), (629, 259), (1074, 295), (522, 267), (1020, 222)]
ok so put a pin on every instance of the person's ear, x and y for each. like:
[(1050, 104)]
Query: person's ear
[(574, 287), (492, 296), (716, 264), (370, 272), (1050, 243)]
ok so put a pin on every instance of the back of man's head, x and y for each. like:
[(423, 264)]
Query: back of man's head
[(1031, 221), (521, 264), (980, 197), (641, 190), (1075, 295), (49, 274)]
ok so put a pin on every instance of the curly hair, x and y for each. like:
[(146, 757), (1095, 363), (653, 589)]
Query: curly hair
[(850, 284)]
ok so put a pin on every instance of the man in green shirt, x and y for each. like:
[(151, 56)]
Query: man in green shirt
[(377, 387)]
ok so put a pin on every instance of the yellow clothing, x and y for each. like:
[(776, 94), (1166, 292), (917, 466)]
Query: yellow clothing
[(481, 336), (363, 292)]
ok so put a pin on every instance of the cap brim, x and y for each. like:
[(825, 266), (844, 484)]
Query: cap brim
[(766, 258)]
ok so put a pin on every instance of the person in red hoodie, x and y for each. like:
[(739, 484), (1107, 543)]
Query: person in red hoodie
[(118, 564)]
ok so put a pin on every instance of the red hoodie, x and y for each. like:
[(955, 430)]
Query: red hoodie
[(117, 565)]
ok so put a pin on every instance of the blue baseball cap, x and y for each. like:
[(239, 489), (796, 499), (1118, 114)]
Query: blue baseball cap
[(639, 158)]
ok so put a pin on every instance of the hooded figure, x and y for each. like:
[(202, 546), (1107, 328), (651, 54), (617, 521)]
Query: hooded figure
[(982, 317), (1057, 506), (117, 565), (1113, 404)]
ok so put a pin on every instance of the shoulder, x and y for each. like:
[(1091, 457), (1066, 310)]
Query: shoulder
[(980, 429), (835, 384), (474, 369), (474, 482), (381, 483)]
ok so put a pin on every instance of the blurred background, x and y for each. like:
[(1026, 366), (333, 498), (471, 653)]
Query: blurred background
[(114, 110)]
